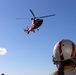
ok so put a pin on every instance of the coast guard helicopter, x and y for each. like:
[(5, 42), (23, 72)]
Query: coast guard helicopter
[(36, 23)]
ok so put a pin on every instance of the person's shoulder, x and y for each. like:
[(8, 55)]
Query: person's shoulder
[(54, 73)]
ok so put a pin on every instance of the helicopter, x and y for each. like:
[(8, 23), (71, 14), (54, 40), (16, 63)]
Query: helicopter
[(36, 23)]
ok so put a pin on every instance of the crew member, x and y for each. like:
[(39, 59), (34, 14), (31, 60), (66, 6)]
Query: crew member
[(64, 57)]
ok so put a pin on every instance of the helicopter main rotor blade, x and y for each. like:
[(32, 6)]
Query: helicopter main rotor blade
[(32, 13), (20, 18), (46, 16)]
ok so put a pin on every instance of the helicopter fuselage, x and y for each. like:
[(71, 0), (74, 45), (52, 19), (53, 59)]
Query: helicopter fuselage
[(36, 23)]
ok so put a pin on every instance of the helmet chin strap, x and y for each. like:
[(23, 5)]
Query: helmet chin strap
[(60, 68)]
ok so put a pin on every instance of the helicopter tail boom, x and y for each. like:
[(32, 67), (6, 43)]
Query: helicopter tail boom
[(26, 30)]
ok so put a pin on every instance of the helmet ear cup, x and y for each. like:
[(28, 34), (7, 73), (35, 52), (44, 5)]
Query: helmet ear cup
[(75, 57)]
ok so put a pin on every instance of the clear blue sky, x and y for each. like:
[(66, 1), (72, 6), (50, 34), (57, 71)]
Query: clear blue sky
[(32, 54)]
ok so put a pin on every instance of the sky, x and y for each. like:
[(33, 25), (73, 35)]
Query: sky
[(23, 54)]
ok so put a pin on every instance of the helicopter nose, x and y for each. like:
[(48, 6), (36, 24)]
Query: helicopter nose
[(41, 21)]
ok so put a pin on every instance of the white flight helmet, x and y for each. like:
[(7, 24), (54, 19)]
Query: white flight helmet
[(63, 50)]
